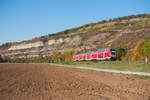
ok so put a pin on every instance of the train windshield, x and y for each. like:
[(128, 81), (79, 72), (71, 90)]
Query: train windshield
[(113, 52)]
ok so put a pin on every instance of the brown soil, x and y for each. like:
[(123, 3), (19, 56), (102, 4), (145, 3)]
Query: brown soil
[(46, 82)]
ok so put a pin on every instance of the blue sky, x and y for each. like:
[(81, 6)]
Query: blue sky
[(27, 19)]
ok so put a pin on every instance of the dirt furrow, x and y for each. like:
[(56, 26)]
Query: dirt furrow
[(47, 82)]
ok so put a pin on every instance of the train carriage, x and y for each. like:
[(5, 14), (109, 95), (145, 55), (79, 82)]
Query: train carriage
[(89, 56), (99, 55)]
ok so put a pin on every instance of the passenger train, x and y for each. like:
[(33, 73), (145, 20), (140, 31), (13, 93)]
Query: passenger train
[(99, 55)]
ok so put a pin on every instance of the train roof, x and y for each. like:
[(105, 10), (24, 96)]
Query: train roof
[(84, 53), (89, 52), (102, 50), (98, 51)]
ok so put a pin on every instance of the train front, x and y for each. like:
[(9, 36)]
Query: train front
[(113, 54)]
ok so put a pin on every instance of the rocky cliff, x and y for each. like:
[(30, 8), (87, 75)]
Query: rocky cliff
[(115, 32)]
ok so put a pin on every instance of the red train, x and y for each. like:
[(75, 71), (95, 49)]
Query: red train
[(103, 54)]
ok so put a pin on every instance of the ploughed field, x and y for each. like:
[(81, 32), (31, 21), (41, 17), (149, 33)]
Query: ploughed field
[(47, 82)]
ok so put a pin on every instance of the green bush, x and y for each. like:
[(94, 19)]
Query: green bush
[(145, 45), (121, 52)]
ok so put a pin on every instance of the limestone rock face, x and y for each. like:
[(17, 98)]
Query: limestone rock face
[(26, 45), (51, 42)]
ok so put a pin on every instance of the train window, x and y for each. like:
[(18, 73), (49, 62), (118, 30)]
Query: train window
[(113, 52)]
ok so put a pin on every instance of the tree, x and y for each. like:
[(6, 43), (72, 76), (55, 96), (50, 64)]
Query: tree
[(68, 56), (121, 52), (146, 48), (141, 50), (56, 57)]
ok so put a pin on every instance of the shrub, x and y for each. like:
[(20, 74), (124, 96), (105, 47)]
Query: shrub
[(121, 52)]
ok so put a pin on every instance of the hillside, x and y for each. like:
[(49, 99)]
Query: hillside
[(125, 32)]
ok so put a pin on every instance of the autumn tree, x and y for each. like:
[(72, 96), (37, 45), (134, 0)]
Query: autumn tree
[(68, 56), (141, 50)]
